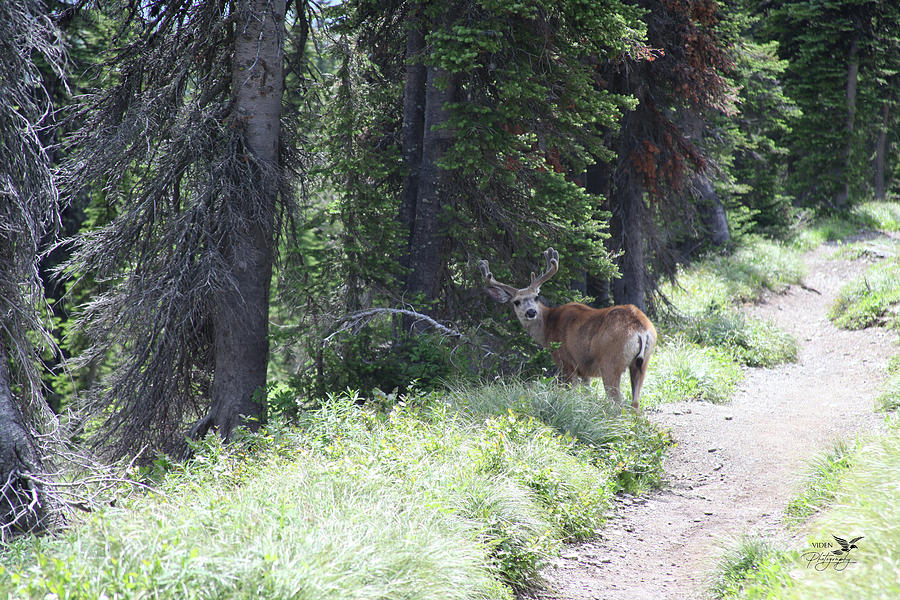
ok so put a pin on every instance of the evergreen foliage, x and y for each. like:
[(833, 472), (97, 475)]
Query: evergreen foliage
[(841, 55)]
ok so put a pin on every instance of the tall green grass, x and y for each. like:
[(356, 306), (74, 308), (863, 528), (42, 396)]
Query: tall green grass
[(422, 501), (873, 216), (821, 485), (866, 505), (682, 370), (889, 399), (751, 568), (873, 299), (703, 302)]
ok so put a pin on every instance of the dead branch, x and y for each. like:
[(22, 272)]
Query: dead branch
[(353, 322)]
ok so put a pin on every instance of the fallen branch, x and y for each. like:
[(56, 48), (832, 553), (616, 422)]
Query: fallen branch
[(354, 321)]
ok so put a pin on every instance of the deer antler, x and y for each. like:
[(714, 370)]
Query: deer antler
[(552, 257), (489, 278)]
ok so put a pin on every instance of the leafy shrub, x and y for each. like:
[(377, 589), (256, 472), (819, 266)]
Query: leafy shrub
[(375, 358)]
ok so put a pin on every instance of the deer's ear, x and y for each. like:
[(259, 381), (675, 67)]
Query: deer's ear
[(498, 294)]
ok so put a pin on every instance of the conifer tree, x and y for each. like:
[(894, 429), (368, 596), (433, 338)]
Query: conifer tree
[(187, 146), (499, 110), (29, 216)]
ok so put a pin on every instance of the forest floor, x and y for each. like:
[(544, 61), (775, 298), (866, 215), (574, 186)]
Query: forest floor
[(737, 465)]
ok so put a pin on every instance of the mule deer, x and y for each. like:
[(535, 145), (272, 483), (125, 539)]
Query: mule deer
[(584, 342)]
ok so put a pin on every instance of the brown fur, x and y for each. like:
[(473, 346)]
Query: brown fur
[(599, 343)]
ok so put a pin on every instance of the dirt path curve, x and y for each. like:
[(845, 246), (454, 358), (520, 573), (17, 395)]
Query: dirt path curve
[(736, 466)]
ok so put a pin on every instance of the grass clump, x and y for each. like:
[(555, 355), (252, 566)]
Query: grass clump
[(879, 216), (703, 311), (630, 445), (866, 505), (873, 216), (753, 342), (294, 529), (742, 276), (750, 569), (889, 399), (863, 504), (682, 370), (869, 300), (821, 485), (417, 501)]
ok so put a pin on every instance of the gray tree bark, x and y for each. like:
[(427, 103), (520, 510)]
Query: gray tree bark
[(241, 319), (427, 258), (413, 130), (627, 230), (711, 210), (22, 505), (626, 227)]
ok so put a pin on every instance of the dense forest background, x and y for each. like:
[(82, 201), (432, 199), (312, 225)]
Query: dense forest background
[(213, 210)]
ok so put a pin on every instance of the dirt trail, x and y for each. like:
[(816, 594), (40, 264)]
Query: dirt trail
[(736, 466)]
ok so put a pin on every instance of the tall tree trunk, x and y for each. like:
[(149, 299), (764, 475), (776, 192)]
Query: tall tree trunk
[(22, 505), (626, 226), (711, 211), (880, 149), (843, 195), (627, 232), (413, 129), (427, 259), (241, 319), (596, 182)]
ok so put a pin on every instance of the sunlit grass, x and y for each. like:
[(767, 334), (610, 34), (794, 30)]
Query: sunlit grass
[(704, 302), (870, 216), (861, 501), (821, 484), (680, 370), (872, 299), (751, 568), (419, 501)]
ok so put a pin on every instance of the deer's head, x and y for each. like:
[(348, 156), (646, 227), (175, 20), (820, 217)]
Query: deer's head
[(524, 301)]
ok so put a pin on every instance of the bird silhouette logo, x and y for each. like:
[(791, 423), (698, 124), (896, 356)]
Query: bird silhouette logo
[(846, 546)]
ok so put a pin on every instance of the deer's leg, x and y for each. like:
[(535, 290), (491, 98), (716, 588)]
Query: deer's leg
[(611, 382), (569, 375), (637, 382)]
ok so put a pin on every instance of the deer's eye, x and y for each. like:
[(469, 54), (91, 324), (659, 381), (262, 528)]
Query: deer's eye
[(516, 302)]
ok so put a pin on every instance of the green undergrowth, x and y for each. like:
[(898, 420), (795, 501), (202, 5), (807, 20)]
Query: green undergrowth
[(749, 569), (704, 303), (889, 399), (821, 485), (874, 247), (864, 506), (463, 495), (871, 216), (872, 299), (681, 370)]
